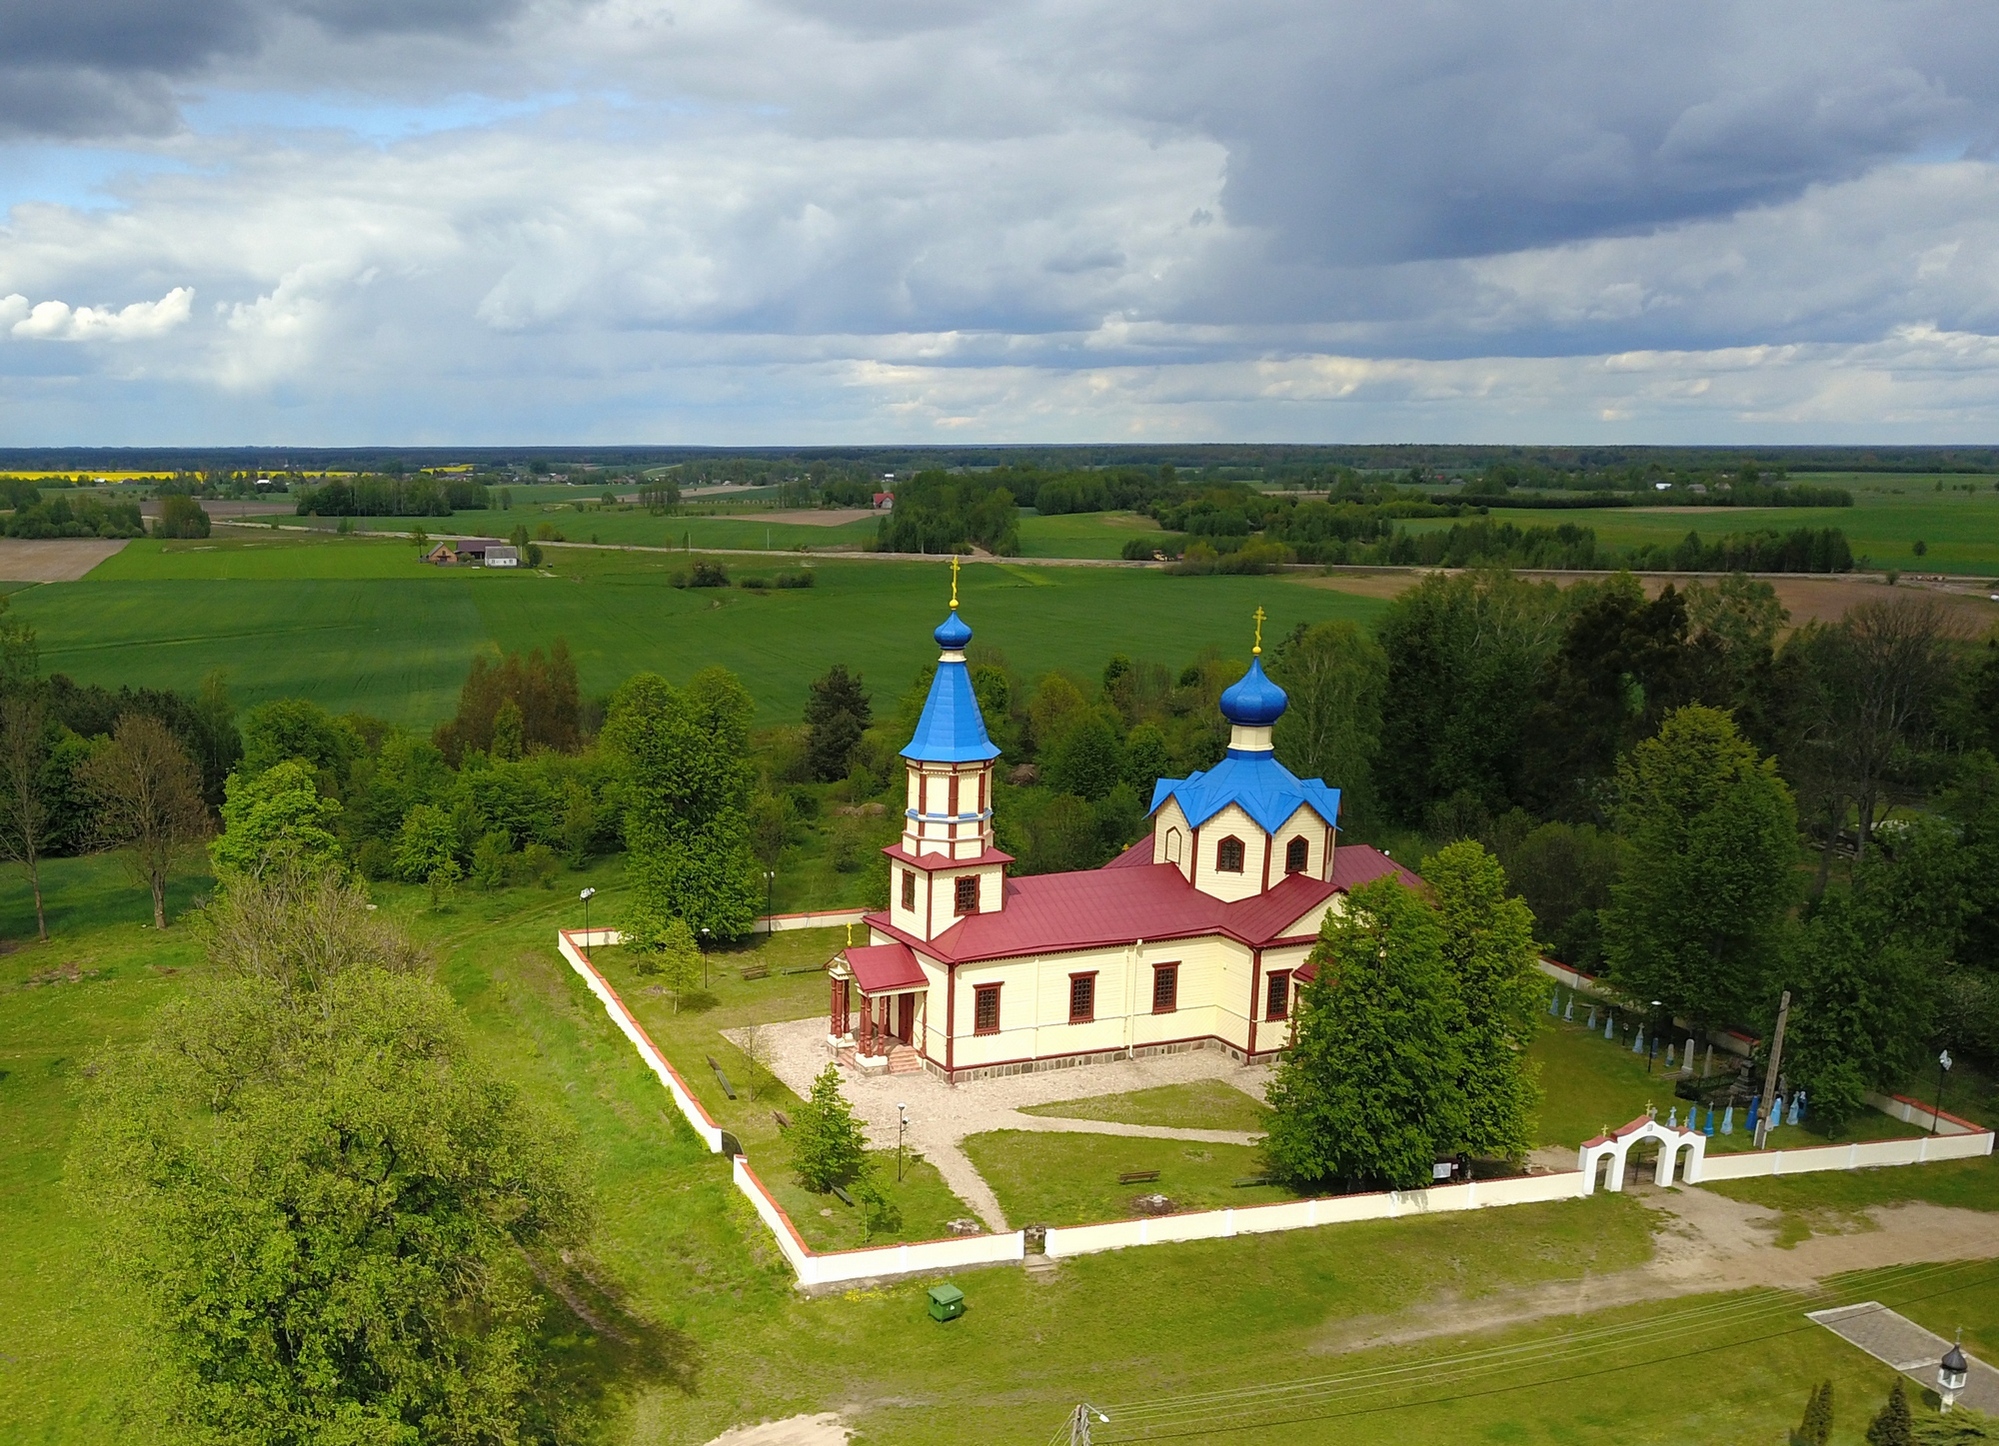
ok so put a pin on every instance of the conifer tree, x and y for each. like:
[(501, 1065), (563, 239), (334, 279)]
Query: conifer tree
[(837, 713), (1816, 1428), (1893, 1425), (1369, 1092), (1489, 948), (827, 1147)]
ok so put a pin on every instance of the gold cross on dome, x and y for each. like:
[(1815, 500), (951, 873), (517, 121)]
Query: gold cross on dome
[(954, 582), (1258, 649)]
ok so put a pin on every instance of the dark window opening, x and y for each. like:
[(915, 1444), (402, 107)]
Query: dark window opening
[(1228, 856), (965, 896), (1165, 988), (985, 1009), (1295, 855), (909, 890), (1082, 998), (1277, 996)]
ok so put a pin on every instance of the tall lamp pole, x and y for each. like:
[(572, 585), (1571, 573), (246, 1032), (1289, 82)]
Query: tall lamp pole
[(706, 937), (1943, 1068), (901, 1130), (1652, 1044), (586, 896)]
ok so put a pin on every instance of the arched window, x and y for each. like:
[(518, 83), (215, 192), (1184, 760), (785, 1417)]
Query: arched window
[(1228, 855), (1296, 853), (1172, 845)]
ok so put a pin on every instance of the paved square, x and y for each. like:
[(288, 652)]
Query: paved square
[(1915, 1352)]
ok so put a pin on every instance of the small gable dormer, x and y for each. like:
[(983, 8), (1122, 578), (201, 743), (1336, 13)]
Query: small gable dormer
[(1248, 823)]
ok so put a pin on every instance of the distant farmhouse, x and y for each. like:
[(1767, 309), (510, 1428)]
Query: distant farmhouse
[(474, 552), (1195, 937), (884, 501)]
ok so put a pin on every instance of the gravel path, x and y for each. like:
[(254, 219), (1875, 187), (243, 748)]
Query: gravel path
[(941, 1115)]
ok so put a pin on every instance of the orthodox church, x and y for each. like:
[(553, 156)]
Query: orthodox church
[(1193, 938)]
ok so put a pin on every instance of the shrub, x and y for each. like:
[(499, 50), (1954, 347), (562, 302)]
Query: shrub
[(827, 1147)]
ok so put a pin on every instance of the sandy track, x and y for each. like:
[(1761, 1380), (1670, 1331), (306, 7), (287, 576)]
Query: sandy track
[(56, 559), (1704, 1243)]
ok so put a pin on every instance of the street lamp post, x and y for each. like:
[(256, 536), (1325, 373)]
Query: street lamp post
[(901, 1131), (1652, 1044), (770, 889), (706, 938), (1943, 1068), (586, 896)]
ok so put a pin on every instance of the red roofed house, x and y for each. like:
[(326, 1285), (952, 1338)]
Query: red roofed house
[(1190, 939)]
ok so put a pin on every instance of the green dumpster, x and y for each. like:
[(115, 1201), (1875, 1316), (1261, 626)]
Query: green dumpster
[(947, 1302)]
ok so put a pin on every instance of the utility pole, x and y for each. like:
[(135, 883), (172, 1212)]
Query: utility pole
[(1770, 1075), (1079, 1423)]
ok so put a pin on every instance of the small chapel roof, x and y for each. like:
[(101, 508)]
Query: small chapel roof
[(883, 968)]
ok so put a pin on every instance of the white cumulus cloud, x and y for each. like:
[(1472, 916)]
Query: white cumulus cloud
[(59, 321)]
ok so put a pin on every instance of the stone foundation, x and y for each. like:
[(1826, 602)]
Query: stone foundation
[(1079, 1061)]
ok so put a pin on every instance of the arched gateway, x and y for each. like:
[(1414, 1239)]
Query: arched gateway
[(1616, 1147)]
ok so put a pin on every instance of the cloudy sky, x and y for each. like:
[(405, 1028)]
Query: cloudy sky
[(791, 221)]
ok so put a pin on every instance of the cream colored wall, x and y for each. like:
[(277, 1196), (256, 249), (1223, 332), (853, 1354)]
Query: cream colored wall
[(1209, 880), (1170, 818), (1034, 1002), (1276, 1034), (1304, 822), (944, 895)]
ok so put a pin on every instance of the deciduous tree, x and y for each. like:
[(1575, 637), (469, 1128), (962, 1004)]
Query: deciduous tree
[(1698, 915), (1369, 1092), (148, 797), (24, 809), (1334, 674), (330, 1206), (1489, 952), (276, 816)]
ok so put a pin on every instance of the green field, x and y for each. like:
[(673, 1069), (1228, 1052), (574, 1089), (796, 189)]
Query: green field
[(1082, 534), (359, 625), (1207, 1104), (581, 520), (1888, 516), (715, 1335)]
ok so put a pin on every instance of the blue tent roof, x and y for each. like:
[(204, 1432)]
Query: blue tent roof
[(1267, 791), (951, 730)]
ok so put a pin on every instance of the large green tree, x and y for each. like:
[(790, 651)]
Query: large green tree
[(1369, 1092), (837, 713), (1697, 918), (1464, 652), (1334, 674), (689, 785), (329, 1205), (1489, 949), (276, 816)]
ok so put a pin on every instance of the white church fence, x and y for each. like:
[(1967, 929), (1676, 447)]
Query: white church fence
[(1304, 1214), (872, 1262), (572, 943), (1957, 1139)]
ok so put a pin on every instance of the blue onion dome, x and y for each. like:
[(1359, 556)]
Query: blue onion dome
[(1253, 701), (952, 634)]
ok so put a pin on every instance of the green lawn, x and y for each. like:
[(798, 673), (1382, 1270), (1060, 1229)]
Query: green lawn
[(717, 1336), (1590, 1085), (579, 518), (1888, 517), (1207, 1104), (368, 629), (1072, 1179)]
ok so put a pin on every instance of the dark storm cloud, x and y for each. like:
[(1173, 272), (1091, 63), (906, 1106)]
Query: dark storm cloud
[(1368, 133), (104, 67)]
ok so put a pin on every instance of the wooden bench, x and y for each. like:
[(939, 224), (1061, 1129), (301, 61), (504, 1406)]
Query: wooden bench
[(840, 1194), (1137, 1177), (755, 971), (1248, 1180), (783, 1120), (721, 1079)]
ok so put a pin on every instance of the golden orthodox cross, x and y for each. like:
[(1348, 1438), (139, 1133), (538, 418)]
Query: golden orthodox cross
[(1258, 650), (954, 582)]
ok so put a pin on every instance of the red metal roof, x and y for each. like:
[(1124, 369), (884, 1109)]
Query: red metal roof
[(884, 968), (1138, 855), (936, 863), (1131, 899), (1357, 864)]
